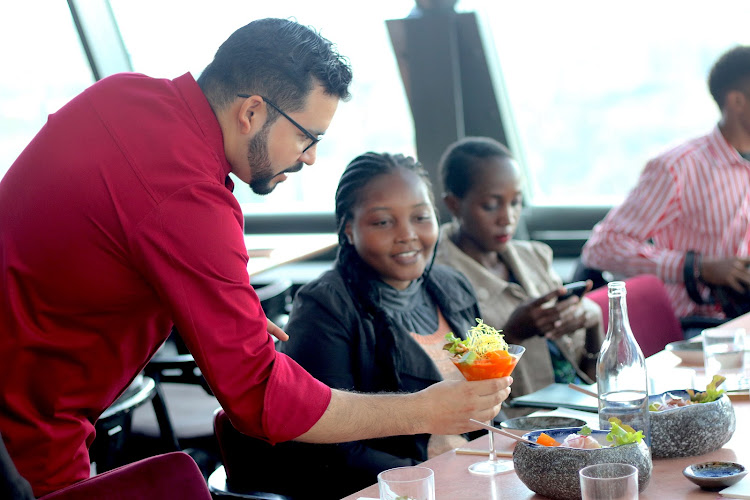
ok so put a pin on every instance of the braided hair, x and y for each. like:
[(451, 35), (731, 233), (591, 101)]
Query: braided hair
[(359, 277)]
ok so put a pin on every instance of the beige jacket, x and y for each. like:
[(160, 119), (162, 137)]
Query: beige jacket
[(531, 263)]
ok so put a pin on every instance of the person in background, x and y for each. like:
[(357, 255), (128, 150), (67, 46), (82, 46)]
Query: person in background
[(514, 280), (377, 321), (687, 220), (117, 222)]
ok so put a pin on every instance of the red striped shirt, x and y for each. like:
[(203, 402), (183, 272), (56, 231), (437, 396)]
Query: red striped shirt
[(693, 197)]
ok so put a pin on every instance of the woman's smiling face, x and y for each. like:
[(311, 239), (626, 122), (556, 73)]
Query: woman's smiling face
[(393, 227)]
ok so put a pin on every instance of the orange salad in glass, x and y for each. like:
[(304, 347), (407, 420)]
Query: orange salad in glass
[(483, 354)]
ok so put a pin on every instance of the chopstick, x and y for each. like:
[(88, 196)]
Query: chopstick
[(583, 391), (511, 435), (471, 451), (500, 431)]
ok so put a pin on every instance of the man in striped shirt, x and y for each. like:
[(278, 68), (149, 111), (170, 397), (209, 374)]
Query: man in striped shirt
[(688, 218)]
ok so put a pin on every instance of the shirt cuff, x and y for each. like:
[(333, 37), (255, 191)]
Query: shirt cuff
[(671, 267)]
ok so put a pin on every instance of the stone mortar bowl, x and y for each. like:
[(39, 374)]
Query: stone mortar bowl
[(691, 430), (553, 472)]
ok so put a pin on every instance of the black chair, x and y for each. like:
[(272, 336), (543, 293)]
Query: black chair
[(245, 470), (113, 428), (583, 273), (187, 424), (174, 363), (276, 300)]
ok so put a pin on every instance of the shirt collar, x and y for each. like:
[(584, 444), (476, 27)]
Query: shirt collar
[(206, 119), (723, 148)]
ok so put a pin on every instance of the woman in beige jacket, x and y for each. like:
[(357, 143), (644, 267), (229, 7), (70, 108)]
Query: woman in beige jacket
[(515, 284)]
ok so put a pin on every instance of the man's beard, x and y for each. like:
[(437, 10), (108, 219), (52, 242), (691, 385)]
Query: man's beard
[(260, 164)]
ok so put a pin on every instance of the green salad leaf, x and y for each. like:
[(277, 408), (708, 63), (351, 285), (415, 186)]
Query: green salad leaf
[(585, 431), (712, 393), (622, 434), (654, 406), (457, 347)]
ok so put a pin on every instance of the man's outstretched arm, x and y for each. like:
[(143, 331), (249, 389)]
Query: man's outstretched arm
[(442, 408)]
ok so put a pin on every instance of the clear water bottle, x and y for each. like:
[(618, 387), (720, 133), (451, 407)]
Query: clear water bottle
[(621, 379)]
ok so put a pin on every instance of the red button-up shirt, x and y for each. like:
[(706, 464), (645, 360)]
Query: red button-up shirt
[(693, 197), (116, 222)]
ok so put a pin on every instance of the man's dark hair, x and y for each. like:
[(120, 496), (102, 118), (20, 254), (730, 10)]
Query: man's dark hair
[(730, 72), (278, 59), (459, 162), (359, 277)]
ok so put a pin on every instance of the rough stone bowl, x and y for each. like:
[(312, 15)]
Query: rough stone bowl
[(691, 430), (553, 472)]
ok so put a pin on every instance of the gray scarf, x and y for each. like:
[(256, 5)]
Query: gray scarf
[(412, 309)]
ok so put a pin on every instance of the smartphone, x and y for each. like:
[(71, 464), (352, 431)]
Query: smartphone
[(576, 288)]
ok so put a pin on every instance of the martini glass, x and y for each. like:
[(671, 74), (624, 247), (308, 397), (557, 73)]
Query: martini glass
[(493, 365)]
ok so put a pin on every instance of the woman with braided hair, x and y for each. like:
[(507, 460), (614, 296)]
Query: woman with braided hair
[(377, 321)]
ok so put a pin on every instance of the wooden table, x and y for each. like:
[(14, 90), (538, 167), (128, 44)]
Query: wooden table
[(267, 251), (454, 482)]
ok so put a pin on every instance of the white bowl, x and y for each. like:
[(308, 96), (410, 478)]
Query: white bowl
[(690, 352)]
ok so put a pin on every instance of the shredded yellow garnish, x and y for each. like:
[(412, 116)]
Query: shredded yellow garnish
[(482, 339)]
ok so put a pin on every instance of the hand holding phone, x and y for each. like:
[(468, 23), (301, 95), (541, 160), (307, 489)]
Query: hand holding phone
[(577, 288)]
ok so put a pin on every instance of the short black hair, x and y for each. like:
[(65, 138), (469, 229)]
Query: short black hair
[(730, 72), (459, 161), (278, 59)]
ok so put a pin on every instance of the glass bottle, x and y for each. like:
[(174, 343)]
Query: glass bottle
[(621, 379)]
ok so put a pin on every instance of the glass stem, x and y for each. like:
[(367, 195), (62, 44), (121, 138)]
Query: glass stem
[(493, 454)]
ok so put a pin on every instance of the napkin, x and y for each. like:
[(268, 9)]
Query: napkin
[(738, 490)]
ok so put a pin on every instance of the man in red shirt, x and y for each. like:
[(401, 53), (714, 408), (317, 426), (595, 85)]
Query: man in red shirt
[(117, 222)]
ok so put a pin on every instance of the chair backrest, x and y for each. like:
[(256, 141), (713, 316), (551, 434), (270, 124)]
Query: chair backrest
[(110, 448), (250, 465), (172, 475), (650, 312)]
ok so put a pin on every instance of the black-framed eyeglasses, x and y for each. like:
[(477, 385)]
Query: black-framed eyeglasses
[(313, 139)]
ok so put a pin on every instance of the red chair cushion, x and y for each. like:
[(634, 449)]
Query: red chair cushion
[(650, 313), (170, 476)]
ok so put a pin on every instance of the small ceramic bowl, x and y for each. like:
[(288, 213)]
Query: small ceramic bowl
[(691, 430), (553, 472), (521, 425), (715, 475), (691, 353)]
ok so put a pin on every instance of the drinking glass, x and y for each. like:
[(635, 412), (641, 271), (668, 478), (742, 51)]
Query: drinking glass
[(725, 353), (411, 483), (609, 482), (482, 369)]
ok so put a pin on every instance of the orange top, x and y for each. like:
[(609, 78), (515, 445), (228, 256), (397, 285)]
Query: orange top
[(433, 346)]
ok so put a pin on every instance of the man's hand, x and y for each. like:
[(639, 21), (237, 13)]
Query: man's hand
[(448, 405), (276, 331), (731, 272)]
